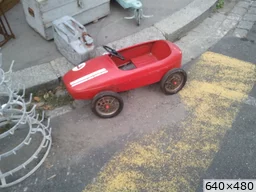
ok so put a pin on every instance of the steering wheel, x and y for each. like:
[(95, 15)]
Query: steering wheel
[(113, 52)]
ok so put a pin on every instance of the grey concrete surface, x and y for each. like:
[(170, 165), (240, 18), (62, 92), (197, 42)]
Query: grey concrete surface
[(175, 26), (246, 22), (60, 66), (115, 27), (30, 49), (240, 48), (245, 25), (250, 17), (253, 10), (236, 157), (244, 4), (82, 142), (171, 28), (41, 76), (210, 31), (199, 39), (240, 10), (240, 33), (149, 33)]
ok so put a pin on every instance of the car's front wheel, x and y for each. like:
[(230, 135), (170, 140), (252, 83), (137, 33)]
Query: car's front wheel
[(173, 81), (107, 104)]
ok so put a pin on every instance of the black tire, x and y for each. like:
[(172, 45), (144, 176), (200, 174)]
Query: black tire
[(102, 102), (177, 84)]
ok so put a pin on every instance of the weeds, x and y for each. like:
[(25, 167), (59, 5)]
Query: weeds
[(220, 4), (49, 99), (44, 100)]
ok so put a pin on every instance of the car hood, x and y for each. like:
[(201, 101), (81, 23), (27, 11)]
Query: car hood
[(89, 73)]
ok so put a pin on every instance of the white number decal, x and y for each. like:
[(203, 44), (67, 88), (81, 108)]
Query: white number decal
[(79, 67)]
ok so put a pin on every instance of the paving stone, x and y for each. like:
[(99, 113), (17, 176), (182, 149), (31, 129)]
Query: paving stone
[(245, 25), (250, 17), (244, 4), (204, 36), (240, 33), (239, 10), (252, 10), (234, 16), (218, 16), (228, 24)]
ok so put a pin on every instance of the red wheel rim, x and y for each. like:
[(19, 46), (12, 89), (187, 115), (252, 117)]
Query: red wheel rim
[(174, 82), (107, 105)]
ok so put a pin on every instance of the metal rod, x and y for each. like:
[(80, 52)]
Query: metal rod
[(14, 112)]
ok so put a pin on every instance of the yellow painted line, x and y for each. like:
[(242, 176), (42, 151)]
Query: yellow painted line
[(160, 162)]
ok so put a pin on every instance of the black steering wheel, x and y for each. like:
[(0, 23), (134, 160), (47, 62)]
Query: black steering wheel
[(113, 52)]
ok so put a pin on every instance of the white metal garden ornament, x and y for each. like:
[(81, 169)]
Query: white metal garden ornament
[(22, 134)]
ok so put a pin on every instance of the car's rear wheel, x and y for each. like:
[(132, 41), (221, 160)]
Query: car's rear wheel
[(173, 81), (107, 104)]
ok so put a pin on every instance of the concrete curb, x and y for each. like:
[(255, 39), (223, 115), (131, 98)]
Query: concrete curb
[(173, 27), (214, 28), (35, 78), (186, 19)]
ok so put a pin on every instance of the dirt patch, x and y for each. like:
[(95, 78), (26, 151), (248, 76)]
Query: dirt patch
[(46, 100)]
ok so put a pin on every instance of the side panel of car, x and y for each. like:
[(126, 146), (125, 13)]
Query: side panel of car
[(137, 78), (145, 76)]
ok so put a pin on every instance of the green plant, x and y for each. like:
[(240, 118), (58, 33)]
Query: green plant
[(220, 4), (48, 99)]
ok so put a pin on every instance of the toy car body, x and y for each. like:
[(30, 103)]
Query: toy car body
[(101, 78)]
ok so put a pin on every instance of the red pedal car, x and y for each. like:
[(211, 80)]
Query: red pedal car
[(103, 77)]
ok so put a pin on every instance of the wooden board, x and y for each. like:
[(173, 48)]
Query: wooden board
[(6, 5)]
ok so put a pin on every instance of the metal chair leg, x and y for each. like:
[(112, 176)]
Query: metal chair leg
[(4, 29)]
